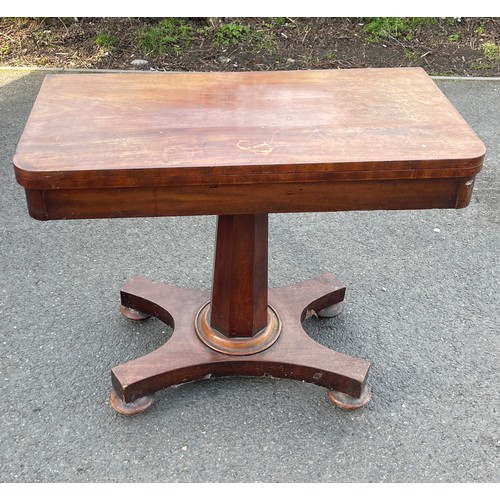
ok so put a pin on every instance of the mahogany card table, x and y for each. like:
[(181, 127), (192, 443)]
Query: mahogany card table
[(240, 146)]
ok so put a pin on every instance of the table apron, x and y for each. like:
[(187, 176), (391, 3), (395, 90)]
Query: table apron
[(397, 194)]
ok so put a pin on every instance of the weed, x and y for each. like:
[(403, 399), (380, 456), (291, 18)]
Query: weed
[(385, 27), (480, 66), (255, 39), (453, 21), (275, 22), (330, 55), (171, 33), (106, 41), (491, 51), (480, 29), (231, 33), (454, 37), (411, 55)]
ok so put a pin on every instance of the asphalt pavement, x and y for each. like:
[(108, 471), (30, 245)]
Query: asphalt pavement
[(422, 306)]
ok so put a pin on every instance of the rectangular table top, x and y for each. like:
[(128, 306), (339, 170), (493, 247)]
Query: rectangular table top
[(119, 130)]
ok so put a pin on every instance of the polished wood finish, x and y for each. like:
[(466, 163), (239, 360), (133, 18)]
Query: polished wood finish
[(239, 291), (124, 145), (252, 198), (241, 146), (183, 358)]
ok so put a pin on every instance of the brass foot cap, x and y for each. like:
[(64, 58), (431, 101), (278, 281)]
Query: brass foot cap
[(139, 405), (346, 402), (331, 311), (133, 314)]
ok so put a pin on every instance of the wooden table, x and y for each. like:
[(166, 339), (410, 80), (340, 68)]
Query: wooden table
[(241, 146)]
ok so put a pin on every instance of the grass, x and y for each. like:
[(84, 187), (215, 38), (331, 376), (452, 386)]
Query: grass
[(379, 28), (275, 22), (491, 51), (232, 33), (171, 34), (255, 38), (106, 41), (412, 56)]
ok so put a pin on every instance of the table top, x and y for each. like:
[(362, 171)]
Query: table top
[(115, 130)]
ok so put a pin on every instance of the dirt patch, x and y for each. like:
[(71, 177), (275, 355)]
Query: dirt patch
[(442, 46)]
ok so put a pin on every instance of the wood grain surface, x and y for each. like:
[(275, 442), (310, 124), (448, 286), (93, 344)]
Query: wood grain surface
[(203, 131)]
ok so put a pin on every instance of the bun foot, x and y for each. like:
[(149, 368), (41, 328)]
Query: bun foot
[(331, 311), (139, 405), (133, 314), (346, 402)]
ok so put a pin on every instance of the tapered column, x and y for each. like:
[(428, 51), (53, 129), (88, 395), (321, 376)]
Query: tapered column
[(239, 294)]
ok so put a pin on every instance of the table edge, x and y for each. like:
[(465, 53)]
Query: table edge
[(247, 174)]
